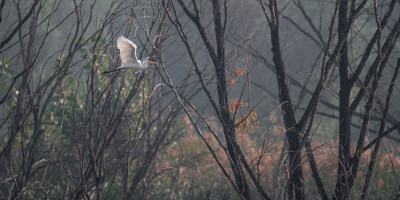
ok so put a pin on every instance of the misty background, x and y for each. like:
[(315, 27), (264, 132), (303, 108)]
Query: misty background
[(67, 131)]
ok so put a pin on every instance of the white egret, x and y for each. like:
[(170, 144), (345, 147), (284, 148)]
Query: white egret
[(129, 61)]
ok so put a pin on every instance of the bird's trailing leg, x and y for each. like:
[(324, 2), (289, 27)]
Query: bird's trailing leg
[(114, 70), (110, 71)]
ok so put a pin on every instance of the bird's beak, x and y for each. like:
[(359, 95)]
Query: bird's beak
[(153, 62)]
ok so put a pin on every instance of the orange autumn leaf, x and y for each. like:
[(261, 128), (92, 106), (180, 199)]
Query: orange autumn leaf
[(240, 71), (247, 123), (232, 82), (236, 105)]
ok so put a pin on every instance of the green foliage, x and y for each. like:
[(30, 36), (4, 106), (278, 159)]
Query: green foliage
[(6, 73)]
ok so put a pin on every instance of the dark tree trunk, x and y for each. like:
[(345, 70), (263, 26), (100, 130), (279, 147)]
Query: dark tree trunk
[(292, 134), (228, 124), (342, 190)]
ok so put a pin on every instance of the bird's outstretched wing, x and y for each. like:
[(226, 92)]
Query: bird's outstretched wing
[(126, 47)]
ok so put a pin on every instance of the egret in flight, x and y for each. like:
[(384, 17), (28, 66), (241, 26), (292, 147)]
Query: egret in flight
[(128, 56)]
